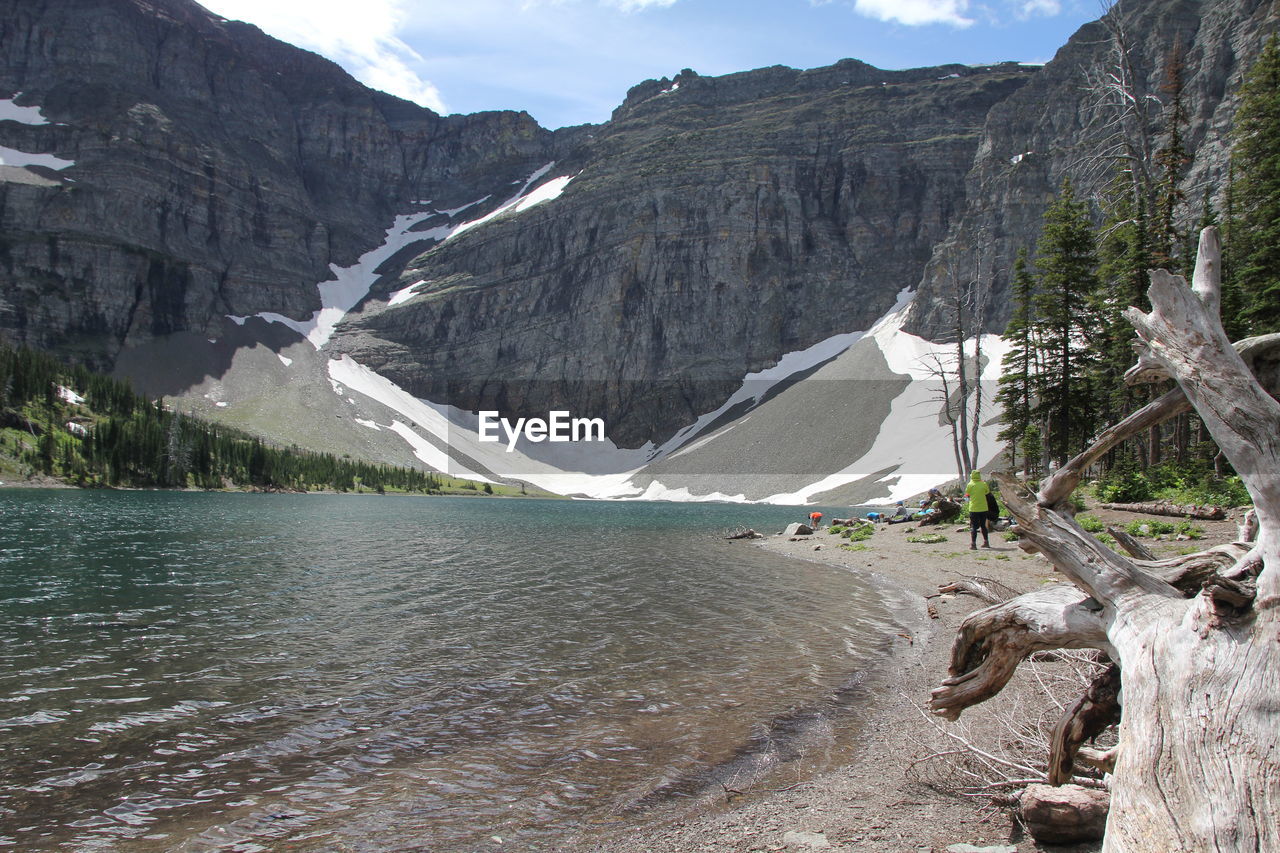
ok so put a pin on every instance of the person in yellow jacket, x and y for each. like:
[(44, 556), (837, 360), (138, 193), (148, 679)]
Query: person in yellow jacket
[(976, 500)]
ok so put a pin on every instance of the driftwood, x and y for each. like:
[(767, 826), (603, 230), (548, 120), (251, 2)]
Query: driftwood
[(1198, 762), (992, 642), (985, 589), (1203, 513), (1132, 546), (1088, 717)]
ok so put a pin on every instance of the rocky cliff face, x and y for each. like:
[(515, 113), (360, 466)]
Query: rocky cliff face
[(1047, 131), (217, 171), (713, 225), (181, 169)]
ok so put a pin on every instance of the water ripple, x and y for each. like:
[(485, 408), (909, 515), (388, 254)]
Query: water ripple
[(227, 672)]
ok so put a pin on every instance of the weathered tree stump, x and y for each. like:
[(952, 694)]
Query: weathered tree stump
[(1198, 763)]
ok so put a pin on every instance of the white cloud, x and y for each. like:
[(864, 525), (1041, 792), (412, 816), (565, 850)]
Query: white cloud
[(639, 5), (1048, 8), (362, 39), (916, 13)]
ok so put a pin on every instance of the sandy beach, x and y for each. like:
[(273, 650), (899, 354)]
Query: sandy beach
[(875, 801)]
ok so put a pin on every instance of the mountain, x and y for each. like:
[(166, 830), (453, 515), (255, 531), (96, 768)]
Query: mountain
[(720, 273), (1050, 130)]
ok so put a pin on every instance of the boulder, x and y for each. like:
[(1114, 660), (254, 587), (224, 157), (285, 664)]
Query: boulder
[(797, 529), (1067, 814)]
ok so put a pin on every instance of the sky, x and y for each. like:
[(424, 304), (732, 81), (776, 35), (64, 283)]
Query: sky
[(570, 62)]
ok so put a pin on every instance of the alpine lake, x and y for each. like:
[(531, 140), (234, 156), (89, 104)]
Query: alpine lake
[(249, 672)]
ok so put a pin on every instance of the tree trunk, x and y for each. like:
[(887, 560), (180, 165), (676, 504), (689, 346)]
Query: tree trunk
[(1198, 763), (1204, 513)]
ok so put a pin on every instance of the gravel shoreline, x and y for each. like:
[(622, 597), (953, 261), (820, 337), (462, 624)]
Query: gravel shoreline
[(872, 802)]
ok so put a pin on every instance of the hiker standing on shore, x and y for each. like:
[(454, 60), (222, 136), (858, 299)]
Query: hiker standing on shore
[(976, 494)]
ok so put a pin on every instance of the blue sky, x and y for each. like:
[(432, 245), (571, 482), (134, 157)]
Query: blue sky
[(572, 61)]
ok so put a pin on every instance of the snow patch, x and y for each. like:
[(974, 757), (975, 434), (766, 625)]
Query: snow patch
[(67, 395), (350, 284), (521, 201), (10, 111), (456, 210), (432, 456), (598, 469), (912, 441), (756, 386), (285, 360), (404, 294), (373, 425), (658, 492), (13, 157)]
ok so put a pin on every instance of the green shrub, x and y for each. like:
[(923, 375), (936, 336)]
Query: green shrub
[(1090, 523), (1189, 530), (1194, 482), (1124, 484), (836, 529), (1150, 528)]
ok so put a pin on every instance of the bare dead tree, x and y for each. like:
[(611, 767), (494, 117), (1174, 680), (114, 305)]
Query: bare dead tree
[(1197, 644), (961, 394), (1119, 115), (950, 405)]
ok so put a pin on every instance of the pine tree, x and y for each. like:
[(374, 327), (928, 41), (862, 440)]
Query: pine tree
[(1067, 259), (1256, 192), (1126, 257), (1018, 365), (1171, 160)]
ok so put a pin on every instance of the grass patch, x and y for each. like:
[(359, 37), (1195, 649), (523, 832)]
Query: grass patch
[(860, 546), (1164, 528), (861, 533), (928, 539)]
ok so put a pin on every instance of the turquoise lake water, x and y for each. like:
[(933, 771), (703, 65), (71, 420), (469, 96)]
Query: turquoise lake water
[(253, 672)]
